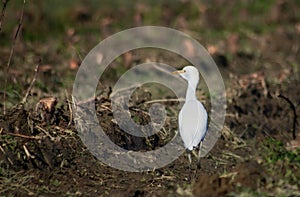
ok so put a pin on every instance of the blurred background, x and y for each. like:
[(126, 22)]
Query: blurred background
[(244, 36)]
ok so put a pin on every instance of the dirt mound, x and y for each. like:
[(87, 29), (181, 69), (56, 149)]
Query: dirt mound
[(46, 149)]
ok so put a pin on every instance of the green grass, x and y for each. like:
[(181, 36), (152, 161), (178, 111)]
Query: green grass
[(275, 151), (281, 163)]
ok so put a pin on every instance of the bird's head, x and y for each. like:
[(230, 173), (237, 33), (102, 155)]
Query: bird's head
[(189, 73)]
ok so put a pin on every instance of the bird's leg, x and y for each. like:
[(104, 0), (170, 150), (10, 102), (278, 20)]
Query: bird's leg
[(190, 164), (190, 158), (199, 154)]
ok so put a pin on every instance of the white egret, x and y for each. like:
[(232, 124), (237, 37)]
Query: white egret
[(192, 117)]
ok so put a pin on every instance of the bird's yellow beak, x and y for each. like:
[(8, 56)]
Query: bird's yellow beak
[(177, 72)]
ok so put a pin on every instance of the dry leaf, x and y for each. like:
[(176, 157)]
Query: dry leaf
[(297, 26), (127, 58), (73, 64), (138, 18), (70, 32), (45, 108), (45, 68), (48, 103), (232, 41), (257, 78), (182, 23), (189, 48), (212, 49), (283, 75)]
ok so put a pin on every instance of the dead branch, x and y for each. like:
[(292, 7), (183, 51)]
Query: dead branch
[(12, 50), (23, 136), (294, 111)]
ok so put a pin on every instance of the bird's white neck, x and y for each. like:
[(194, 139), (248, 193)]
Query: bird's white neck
[(191, 92)]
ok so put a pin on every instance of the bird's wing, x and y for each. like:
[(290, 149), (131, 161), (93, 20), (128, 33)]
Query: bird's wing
[(192, 123)]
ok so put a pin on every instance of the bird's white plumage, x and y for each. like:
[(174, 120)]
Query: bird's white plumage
[(192, 123), (192, 117)]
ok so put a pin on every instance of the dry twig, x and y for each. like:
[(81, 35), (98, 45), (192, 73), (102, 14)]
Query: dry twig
[(70, 108), (23, 136), (4, 153), (31, 84), (29, 156), (11, 55), (164, 100), (3, 13), (46, 132)]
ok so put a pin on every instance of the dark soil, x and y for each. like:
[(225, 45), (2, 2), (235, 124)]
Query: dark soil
[(58, 163)]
